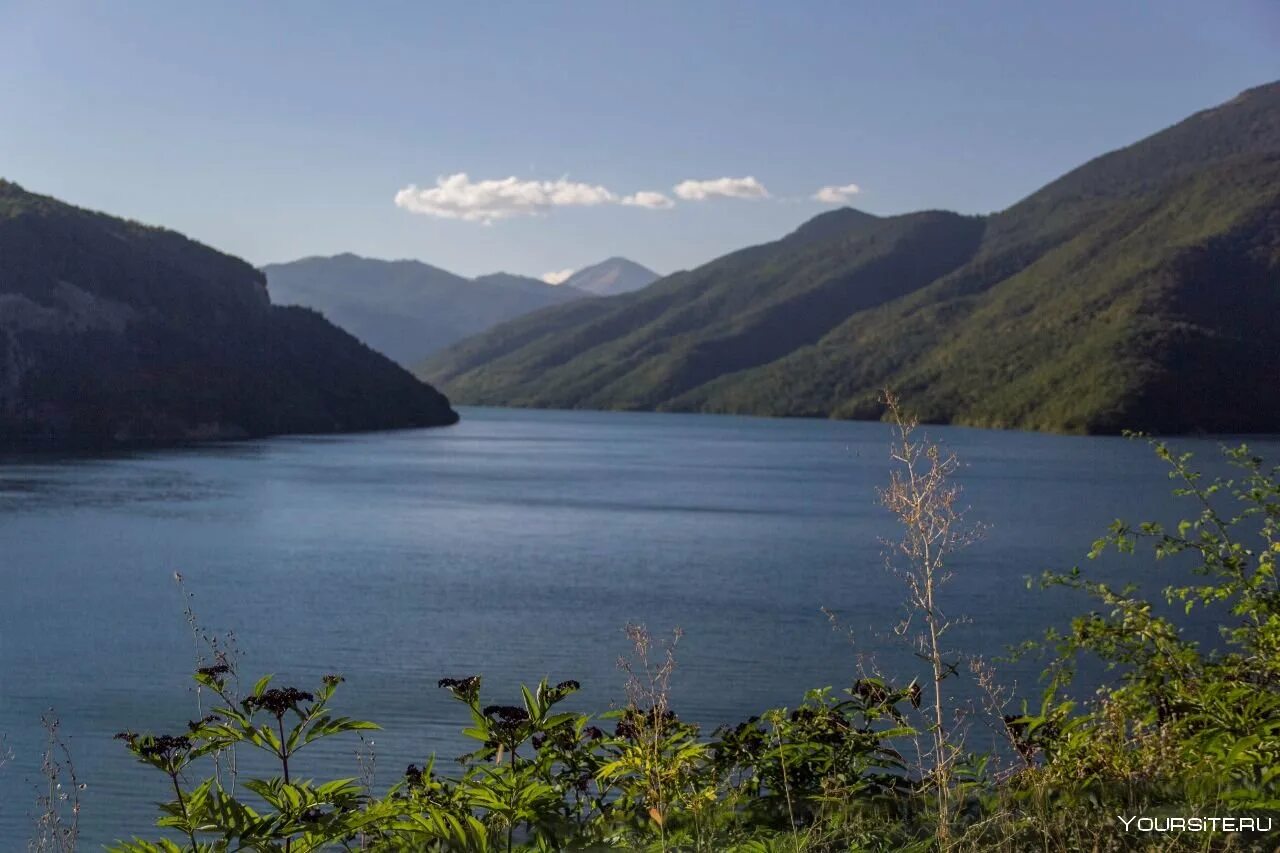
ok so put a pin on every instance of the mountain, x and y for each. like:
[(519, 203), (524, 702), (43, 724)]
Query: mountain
[(611, 277), (506, 279), (1139, 291), (114, 333), (407, 309)]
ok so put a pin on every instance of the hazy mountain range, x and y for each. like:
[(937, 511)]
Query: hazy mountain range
[(115, 333), (409, 309), (1141, 290)]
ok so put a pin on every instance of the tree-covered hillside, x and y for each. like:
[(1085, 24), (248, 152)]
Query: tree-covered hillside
[(1081, 308), (114, 333)]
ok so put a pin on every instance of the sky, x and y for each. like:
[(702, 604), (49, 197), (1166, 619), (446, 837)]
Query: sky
[(541, 137)]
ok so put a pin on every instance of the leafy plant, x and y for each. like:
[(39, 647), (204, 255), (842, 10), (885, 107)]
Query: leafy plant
[(1181, 727), (1181, 721), (289, 814)]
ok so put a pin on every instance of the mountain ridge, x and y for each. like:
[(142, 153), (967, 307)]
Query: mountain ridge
[(1070, 310), (408, 309), (114, 333)]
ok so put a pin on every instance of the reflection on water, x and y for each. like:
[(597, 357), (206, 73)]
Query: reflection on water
[(515, 544)]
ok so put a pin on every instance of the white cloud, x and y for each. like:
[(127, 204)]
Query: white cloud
[(747, 187), (458, 197), (836, 194), (651, 200), (557, 277)]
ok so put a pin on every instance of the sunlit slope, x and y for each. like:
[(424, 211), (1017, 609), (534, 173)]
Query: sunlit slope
[(1137, 291), (1159, 314)]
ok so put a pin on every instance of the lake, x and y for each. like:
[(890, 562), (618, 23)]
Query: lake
[(516, 544)]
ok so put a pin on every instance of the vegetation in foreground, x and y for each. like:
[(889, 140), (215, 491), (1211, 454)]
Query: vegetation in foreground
[(1180, 732)]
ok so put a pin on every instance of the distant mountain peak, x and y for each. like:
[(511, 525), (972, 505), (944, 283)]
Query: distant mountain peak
[(407, 309), (611, 277)]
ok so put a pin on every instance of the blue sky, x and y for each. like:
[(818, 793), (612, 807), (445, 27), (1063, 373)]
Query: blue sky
[(278, 130)]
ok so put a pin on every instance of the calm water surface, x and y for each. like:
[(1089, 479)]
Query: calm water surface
[(516, 544)]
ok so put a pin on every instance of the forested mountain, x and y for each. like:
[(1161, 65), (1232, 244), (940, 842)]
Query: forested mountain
[(1141, 290), (114, 333), (407, 309)]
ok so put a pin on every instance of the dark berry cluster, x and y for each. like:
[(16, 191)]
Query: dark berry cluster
[(635, 722), (413, 776), (278, 700), (215, 674), (164, 749), (506, 722), (563, 689), (509, 714), (466, 689)]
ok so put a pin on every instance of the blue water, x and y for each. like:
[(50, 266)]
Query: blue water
[(516, 544)]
